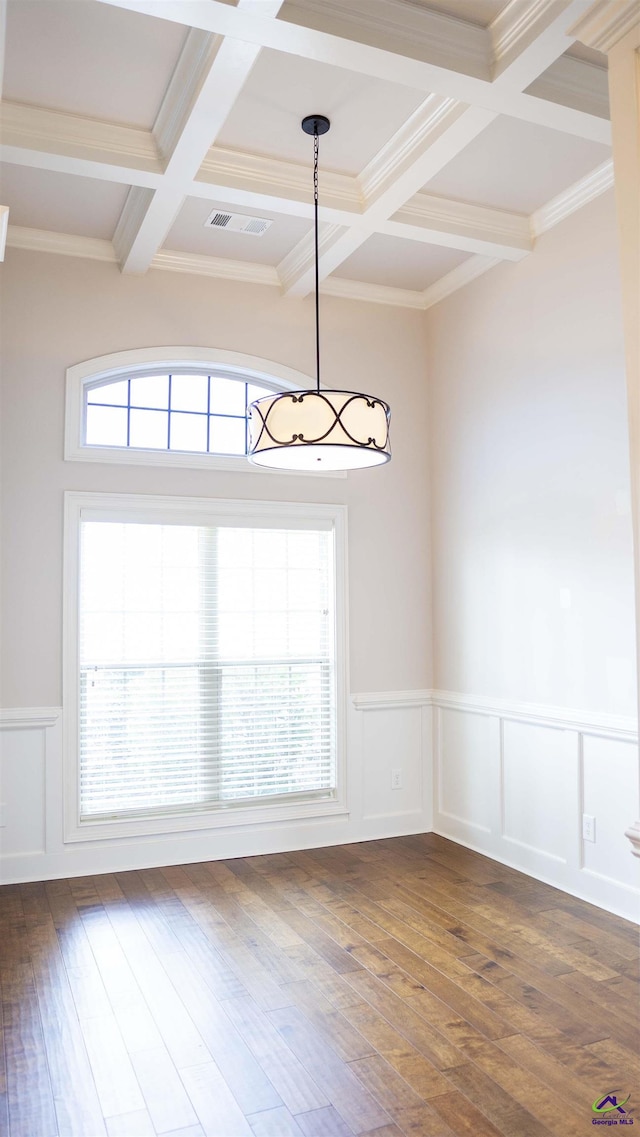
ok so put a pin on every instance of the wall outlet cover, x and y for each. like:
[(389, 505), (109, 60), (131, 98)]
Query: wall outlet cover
[(588, 827)]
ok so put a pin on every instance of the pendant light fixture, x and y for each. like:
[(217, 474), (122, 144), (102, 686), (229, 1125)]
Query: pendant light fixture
[(318, 429)]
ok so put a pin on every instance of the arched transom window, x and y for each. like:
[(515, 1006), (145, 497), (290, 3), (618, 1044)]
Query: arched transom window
[(178, 406), (177, 411)]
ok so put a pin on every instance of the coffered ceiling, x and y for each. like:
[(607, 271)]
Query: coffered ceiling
[(461, 130)]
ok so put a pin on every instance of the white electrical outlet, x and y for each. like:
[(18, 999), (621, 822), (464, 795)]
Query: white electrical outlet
[(396, 779), (588, 827)]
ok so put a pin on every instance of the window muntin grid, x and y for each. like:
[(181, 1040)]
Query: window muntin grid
[(181, 411)]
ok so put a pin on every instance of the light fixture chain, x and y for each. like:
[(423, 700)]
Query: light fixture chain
[(316, 151)]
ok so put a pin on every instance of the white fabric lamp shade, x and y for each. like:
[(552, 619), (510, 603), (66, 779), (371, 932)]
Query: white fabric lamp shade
[(319, 430)]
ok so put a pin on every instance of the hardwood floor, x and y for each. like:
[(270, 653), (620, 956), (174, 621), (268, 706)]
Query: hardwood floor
[(395, 987)]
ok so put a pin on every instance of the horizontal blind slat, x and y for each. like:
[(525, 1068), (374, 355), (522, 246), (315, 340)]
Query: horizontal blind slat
[(207, 669)]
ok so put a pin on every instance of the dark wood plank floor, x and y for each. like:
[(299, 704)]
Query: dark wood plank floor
[(393, 987)]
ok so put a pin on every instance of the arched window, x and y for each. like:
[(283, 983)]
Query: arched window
[(180, 406)]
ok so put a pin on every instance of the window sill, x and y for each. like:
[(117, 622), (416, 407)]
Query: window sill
[(232, 463), (118, 828)]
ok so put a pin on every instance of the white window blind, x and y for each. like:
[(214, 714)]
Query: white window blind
[(206, 666)]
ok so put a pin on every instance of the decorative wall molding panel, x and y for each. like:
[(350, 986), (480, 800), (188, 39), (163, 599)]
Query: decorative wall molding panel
[(513, 780), (389, 733)]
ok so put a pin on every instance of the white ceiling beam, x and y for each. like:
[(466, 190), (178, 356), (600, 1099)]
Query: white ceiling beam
[(62, 244), (250, 181), (269, 184), (551, 214), (69, 143), (527, 36), (206, 83), (435, 133), (459, 225), (574, 83), (294, 267), (177, 159), (257, 180), (605, 23), (377, 62), (220, 268), (405, 29), (73, 144), (530, 38), (216, 268)]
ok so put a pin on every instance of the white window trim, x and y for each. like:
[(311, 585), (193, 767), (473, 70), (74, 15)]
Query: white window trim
[(153, 360), (190, 511)]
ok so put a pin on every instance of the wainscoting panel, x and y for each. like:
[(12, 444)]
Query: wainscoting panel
[(386, 731), (22, 791), (391, 742), (468, 778), (611, 794), (513, 781), (539, 773), (508, 780)]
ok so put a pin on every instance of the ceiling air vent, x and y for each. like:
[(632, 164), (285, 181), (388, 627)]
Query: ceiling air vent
[(238, 223)]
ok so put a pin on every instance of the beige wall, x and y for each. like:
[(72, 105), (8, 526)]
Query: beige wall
[(59, 311), (531, 529)]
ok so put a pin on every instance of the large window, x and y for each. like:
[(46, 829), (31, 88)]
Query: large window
[(203, 655)]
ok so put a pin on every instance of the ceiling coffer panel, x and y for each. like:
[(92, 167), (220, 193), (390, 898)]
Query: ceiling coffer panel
[(238, 223)]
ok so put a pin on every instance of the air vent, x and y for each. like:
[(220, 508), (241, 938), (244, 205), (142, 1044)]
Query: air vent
[(219, 220), (238, 223)]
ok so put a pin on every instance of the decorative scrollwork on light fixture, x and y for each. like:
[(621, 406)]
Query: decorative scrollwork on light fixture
[(319, 429)]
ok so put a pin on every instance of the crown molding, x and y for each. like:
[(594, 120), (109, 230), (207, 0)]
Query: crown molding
[(572, 199), (220, 268), (353, 52), (431, 208), (371, 293), (463, 274), (38, 128), (253, 172), (514, 230), (4, 225), (575, 83), (407, 145), (401, 25), (193, 66), (441, 129), (64, 244), (605, 23), (302, 256), (513, 27), (474, 227)]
